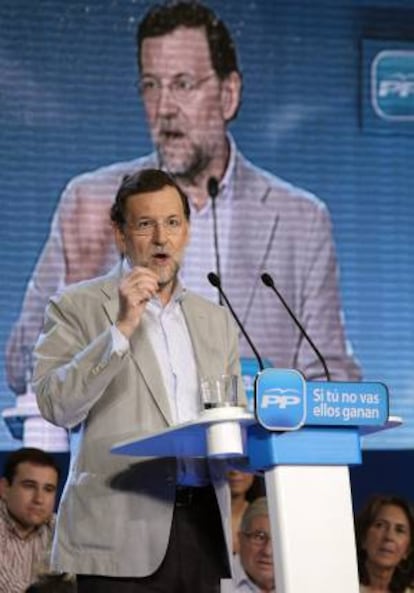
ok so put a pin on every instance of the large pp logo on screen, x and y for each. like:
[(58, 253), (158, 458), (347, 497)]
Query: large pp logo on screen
[(392, 85), (280, 397)]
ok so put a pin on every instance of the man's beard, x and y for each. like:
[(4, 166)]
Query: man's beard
[(189, 167)]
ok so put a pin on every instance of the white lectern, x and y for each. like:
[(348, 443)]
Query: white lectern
[(305, 467)]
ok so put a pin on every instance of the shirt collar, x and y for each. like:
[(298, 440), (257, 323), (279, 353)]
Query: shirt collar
[(176, 299), (239, 576), (226, 181)]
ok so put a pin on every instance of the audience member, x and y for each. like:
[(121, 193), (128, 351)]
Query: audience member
[(244, 487), (28, 491), (253, 568), (54, 583), (385, 546), (121, 356), (190, 84)]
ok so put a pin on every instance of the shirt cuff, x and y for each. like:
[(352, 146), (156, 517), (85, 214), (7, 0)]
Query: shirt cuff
[(120, 343)]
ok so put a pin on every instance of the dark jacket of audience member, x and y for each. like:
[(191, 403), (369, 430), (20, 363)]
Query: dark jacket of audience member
[(54, 583)]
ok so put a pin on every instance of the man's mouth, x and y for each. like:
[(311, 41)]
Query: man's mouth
[(161, 257), (171, 135), (36, 511), (267, 564)]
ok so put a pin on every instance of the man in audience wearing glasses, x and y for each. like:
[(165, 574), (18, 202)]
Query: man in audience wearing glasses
[(253, 567)]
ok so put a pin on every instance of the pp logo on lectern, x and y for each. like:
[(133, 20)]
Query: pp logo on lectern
[(280, 397)]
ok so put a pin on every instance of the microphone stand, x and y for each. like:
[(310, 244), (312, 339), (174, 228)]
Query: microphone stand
[(268, 281), (213, 189), (215, 281)]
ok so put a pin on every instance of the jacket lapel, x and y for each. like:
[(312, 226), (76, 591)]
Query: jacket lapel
[(197, 322), (145, 359), (251, 236)]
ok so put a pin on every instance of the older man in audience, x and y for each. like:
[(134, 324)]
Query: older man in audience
[(253, 567)]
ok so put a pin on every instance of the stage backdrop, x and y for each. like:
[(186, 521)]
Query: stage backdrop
[(328, 105)]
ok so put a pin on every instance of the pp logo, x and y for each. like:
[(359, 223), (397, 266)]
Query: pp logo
[(280, 397), (392, 85)]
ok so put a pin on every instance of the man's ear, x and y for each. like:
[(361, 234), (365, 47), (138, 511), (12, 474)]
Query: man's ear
[(119, 237), (230, 95)]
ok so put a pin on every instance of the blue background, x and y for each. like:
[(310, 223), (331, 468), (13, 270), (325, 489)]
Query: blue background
[(68, 103)]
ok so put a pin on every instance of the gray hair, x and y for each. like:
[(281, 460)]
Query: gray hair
[(255, 508)]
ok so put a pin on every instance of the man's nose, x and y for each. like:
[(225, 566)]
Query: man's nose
[(160, 233), (167, 104), (267, 548), (38, 495)]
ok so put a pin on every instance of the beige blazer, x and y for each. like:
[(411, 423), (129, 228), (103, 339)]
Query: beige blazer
[(116, 511)]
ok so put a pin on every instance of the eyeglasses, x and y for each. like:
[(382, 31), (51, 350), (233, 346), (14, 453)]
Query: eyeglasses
[(182, 87), (258, 538), (146, 226)]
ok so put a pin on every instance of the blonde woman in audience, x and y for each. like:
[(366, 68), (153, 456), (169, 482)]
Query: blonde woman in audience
[(384, 533)]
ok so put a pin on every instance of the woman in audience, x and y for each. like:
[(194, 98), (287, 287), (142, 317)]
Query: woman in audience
[(384, 534), (244, 488)]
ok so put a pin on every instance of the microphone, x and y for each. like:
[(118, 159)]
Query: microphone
[(213, 189), (268, 281), (215, 281)]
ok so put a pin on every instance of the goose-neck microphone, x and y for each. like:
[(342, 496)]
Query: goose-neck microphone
[(215, 281), (269, 282), (213, 190)]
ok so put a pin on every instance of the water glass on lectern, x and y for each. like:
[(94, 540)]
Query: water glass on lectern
[(219, 392)]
